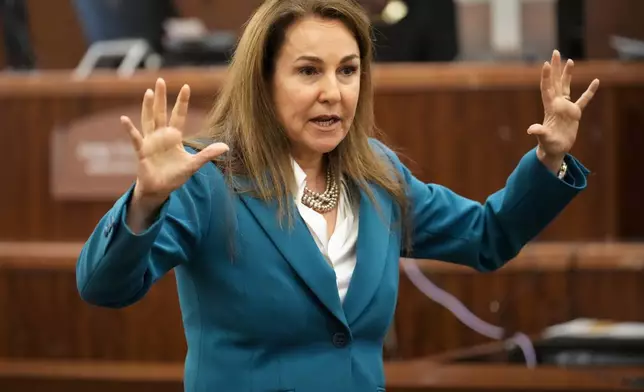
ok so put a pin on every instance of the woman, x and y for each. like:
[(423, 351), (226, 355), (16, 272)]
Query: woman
[(285, 222)]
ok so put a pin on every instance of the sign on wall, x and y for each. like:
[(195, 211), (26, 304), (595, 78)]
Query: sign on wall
[(92, 158)]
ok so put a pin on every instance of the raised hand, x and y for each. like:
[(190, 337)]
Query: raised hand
[(558, 133), (163, 163)]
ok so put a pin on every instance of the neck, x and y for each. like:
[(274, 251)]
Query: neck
[(313, 167)]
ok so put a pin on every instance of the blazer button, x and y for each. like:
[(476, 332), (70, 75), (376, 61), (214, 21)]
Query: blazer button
[(340, 339)]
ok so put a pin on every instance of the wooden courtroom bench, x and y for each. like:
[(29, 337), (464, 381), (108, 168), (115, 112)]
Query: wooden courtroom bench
[(405, 376), (462, 125), (546, 284)]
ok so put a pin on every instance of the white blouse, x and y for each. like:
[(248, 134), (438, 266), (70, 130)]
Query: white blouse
[(339, 250)]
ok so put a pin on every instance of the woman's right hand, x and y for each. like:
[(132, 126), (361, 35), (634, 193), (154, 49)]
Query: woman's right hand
[(163, 163)]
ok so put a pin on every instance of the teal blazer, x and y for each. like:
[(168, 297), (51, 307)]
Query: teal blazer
[(271, 319)]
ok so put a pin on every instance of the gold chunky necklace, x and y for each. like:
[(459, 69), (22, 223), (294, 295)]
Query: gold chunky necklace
[(323, 202)]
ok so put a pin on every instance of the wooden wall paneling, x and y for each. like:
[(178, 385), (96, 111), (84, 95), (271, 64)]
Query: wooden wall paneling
[(600, 131), (58, 324), (459, 127), (590, 296), (14, 168), (47, 319), (629, 117), (525, 296), (30, 208), (470, 142), (546, 284), (604, 19), (594, 277), (5, 337), (56, 34), (592, 214)]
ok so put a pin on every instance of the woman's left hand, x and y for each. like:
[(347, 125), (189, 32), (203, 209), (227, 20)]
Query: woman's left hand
[(557, 134)]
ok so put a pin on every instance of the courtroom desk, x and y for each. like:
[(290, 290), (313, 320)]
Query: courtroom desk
[(44, 318), (407, 376), (460, 125), (429, 376)]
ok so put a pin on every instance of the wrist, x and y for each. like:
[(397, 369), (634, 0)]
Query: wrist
[(553, 162), (145, 206)]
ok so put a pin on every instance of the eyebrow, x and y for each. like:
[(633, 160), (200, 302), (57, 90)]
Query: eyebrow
[(319, 60)]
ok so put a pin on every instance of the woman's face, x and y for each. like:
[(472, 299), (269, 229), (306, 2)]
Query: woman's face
[(316, 85)]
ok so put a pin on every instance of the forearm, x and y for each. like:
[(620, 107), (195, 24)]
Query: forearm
[(532, 198), (120, 262), (452, 228), (112, 269)]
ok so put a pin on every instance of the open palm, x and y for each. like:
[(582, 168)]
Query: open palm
[(558, 133), (163, 163)]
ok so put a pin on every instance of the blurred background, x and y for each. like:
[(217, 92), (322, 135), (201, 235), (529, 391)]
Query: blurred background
[(457, 86)]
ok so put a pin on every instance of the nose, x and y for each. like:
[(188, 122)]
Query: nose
[(329, 89)]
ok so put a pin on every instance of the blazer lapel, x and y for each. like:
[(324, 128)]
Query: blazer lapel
[(371, 250), (298, 247)]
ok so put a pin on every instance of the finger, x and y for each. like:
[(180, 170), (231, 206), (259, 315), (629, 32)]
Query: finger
[(537, 130), (566, 78), (160, 141), (209, 153), (180, 110), (135, 135), (585, 98), (147, 113), (556, 70), (160, 105), (547, 91)]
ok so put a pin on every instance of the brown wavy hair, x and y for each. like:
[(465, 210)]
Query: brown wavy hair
[(244, 116)]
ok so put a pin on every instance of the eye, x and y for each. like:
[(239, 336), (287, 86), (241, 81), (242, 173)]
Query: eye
[(348, 70), (308, 71)]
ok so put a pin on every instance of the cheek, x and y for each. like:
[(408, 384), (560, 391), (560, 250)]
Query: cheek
[(350, 99), (294, 105)]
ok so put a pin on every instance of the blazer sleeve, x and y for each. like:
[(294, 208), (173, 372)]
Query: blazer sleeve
[(117, 267), (446, 226)]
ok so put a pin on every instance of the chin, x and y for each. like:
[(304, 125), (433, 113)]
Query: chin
[(326, 143)]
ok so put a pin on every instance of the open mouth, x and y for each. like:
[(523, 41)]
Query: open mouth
[(325, 121)]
